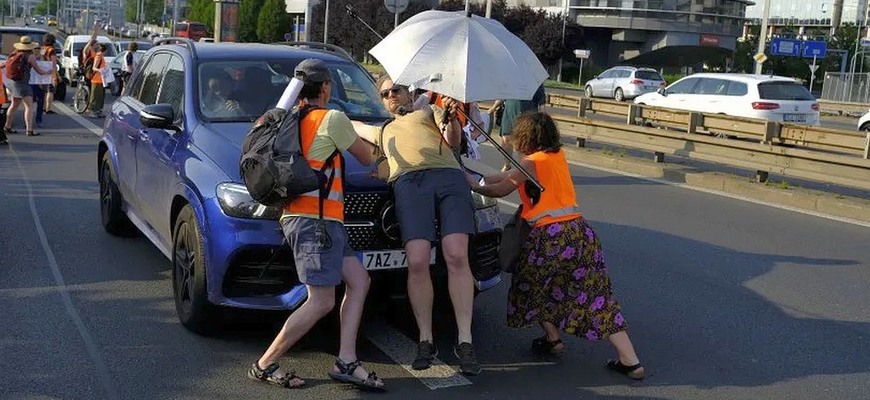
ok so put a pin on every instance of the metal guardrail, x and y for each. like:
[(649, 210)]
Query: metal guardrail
[(821, 154), (843, 108)]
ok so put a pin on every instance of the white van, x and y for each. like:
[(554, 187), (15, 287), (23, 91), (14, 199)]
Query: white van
[(768, 97), (73, 46)]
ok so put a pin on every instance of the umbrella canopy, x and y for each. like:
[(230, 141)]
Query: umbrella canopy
[(460, 55)]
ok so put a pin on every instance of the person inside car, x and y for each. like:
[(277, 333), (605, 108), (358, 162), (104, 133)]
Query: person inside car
[(218, 100)]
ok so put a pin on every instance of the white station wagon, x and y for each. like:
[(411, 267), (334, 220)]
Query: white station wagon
[(768, 97)]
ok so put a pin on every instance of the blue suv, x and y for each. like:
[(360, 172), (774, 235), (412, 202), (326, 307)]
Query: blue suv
[(168, 167)]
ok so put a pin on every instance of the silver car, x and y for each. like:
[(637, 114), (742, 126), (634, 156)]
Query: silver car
[(622, 83)]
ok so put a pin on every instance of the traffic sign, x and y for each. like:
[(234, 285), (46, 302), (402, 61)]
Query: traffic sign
[(760, 57), (865, 42), (814, 48), (288, 36), (582, 53), (813, 68), (396, 6), (785, 47)]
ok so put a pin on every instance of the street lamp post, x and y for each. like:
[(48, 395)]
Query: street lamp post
[(762, 36), (564, 23), (325, 24)]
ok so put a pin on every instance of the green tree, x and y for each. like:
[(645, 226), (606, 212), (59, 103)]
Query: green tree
[(45, 6), (153, 11), (202, 11), (273, 22), (249, 14)]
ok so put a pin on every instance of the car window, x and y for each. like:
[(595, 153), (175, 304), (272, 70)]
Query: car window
[(711, 86), (150, 79), (256, 85), (624, 73), (8, 40), (648, 75), (682, 87), (172, 87), (737, 89), (606, 74), (783, 91)]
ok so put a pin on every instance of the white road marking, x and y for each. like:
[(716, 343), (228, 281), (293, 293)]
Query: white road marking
[(91, 346), (403, 350), (90, 126)]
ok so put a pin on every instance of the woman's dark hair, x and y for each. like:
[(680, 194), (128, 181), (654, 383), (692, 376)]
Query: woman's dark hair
[(48, 40), (535, 131), (133, 46), (311, 90), (103, 47)]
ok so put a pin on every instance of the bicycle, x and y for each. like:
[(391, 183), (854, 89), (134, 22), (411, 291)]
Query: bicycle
[(82, 96)]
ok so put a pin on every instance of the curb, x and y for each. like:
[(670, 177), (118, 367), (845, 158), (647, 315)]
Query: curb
[(812, 201)]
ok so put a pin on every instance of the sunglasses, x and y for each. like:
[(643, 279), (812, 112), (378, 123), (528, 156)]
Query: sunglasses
[(394, 90)]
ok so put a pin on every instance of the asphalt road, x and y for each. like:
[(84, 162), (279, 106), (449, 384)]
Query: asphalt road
[(828, 121), (724, 300)]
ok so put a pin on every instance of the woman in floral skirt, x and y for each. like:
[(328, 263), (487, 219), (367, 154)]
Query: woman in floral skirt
[(562, 282)]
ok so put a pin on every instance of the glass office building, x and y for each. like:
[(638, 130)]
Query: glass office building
[(808, 12)]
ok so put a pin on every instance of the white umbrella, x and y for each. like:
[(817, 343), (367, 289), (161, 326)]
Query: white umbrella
[(460, 55)]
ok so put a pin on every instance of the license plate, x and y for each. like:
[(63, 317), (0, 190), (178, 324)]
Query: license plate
[(388, 259), (652, 87), (794, 117)]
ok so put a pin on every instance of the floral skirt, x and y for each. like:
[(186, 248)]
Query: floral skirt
[(562, 279)]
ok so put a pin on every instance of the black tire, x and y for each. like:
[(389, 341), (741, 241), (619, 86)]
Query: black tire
[(865, 127), (618, 95), (588, 92), (81, 98), (115, 222), (188, 275)]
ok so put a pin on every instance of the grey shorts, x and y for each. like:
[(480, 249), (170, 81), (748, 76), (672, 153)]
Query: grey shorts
[(20, 89), (439, 195), (318, 255)]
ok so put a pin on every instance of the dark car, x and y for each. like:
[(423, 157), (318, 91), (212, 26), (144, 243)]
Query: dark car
[(9, 35), (169, 168)]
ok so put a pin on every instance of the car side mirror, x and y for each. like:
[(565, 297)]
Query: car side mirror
[(662, 91), (158, 116)]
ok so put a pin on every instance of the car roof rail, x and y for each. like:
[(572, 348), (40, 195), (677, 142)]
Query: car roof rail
[(179, 40), (320, 46)]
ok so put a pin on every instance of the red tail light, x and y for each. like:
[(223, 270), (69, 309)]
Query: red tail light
[(815, 106), (636, 82), (760, 105)]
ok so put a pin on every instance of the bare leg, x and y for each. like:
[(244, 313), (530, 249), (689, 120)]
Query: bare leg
[(509, 148), (460, 282), (321, 300), (10, 112), (49, 98), (356, 280), (420, 291), (28, 113), (624, 349)]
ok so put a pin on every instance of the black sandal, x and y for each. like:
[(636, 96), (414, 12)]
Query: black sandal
[(9, 131), (268, 375), (32, 133), (543, 345), (345, 375), (629, 371)]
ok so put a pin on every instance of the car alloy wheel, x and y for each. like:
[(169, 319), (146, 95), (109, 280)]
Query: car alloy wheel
[(184, 265), (588, 92), (189, 285), (618, 95), (112, 215)]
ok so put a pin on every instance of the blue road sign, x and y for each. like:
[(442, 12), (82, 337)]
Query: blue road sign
[(785, 47), (814, 48)]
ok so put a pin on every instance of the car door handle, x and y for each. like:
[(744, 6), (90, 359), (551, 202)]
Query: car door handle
[(143, 135)]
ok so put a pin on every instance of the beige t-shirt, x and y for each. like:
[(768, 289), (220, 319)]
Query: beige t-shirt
[(413, 142)]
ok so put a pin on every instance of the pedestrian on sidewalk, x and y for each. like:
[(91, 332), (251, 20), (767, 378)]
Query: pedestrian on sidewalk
[(511, 110), (313, 226), (17, 68), (561, 282)]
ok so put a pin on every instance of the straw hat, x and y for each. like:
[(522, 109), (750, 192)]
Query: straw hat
[(25, 44)]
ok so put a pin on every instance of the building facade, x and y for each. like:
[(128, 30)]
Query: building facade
[(662, 33)]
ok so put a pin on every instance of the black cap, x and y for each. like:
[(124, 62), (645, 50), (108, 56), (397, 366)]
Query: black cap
[(312, 70)]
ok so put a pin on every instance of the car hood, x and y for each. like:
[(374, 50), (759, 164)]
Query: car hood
[(222, 143)]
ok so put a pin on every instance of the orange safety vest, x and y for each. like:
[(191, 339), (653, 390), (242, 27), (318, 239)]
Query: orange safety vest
[(99, 62), (309, 203), (3, 98), (439, 101), (558, 202)]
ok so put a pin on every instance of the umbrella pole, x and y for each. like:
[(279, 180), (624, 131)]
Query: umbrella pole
[(504, 153)]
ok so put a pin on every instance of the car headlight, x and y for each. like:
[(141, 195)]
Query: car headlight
[(481, 201), (235, 201)]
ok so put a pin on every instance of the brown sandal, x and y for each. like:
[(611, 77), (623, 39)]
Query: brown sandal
[(630, 371), (288, 380)]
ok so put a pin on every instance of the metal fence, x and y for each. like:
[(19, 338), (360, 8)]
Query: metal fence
[(852, 88)]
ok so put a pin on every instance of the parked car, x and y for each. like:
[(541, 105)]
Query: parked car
[(11, 34), (864, 122), (74, 45), (623, 83), (116, 86), (121, 45), (170, 171), (768, 97)]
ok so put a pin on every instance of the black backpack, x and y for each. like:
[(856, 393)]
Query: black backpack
[(272, 165)]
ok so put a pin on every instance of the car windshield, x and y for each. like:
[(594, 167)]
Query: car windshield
[(77, 49), (256, 87), (783, 91)]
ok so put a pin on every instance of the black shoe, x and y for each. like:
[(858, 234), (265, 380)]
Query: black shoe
[(468, 364), (426, 353)]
